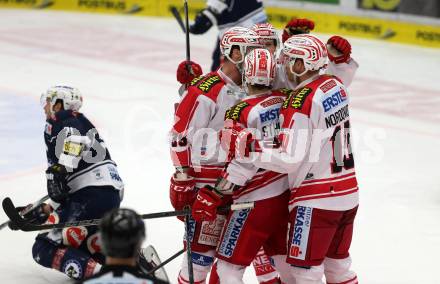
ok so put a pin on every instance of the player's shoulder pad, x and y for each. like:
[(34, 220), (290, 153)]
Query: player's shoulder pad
[(206, 82), (234, 112), (297, 98), (335, 77)]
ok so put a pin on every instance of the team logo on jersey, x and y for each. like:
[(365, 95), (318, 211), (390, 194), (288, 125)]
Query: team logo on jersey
[(74, 236), (54, 218), (232, 232), (94, 243), (269, 115), (300, 97), (334, 100), (210, 231), (300, 233), (73, 269), (196, 80), (272, 101), (235, 111), (328, 86), (114, 173), (208, 83)]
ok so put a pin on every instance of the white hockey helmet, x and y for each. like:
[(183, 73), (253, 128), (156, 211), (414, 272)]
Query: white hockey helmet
[(243, 38), (259, 67), (71, 97), (307, 47), (267, 32)]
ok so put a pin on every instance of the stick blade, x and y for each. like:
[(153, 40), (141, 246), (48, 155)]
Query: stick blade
[(12, 213), (178, 18)]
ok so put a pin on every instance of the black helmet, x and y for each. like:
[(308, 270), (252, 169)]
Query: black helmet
[(122, 233)]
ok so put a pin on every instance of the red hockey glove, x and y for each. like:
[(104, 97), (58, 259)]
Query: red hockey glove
[(182, 192), (342, 49), (296, 27), (205, 206), (187, 71)]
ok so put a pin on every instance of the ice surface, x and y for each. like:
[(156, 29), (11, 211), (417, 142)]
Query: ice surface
[(125, 67)]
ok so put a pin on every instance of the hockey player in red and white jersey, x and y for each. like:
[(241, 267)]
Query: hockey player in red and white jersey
[(269, 36), (195, 151), (246, 231), (340, 62), (316, 154)]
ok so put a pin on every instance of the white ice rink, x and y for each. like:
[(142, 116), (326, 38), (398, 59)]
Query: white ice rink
[(125, 68)]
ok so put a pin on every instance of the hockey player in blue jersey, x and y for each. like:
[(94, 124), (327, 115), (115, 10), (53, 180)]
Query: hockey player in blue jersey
[(226, 14), (83, 182)]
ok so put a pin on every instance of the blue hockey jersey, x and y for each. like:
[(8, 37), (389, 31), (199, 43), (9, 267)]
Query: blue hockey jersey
[(237, 12), (73, 141)]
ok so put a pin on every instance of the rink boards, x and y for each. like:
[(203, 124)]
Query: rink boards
[(386, 29)]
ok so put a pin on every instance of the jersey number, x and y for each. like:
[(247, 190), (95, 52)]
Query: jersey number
[(342, 154)]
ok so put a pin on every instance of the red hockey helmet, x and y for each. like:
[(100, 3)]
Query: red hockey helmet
[(267, 32), (243, 38), (307, 47), (259, 67)]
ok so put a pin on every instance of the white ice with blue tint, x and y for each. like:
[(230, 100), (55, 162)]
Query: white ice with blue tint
[(125, 67)]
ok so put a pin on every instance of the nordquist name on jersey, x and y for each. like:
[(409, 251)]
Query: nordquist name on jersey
[(95, 166), (337, 101)]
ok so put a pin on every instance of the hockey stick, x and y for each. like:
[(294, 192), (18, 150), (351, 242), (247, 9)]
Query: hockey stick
[(178, 18), (188, 55), (22, 224), (27, 209), (188, 248), (162, 264)]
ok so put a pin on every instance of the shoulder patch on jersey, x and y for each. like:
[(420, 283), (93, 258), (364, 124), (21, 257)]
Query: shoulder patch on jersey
[(206, 83), (272, 101), (299, 97), (235, 111), (328, 86), (285, 91), (289, 95), (196, 80)]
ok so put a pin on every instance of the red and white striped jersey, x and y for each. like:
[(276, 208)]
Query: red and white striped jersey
[(197, 120), (344, 71), (315, 149), (259, 112)]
